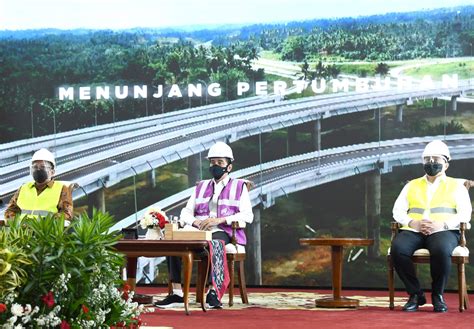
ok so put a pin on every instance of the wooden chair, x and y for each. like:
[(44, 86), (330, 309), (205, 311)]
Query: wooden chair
[(72, 186), (460, 256), (236, 254)]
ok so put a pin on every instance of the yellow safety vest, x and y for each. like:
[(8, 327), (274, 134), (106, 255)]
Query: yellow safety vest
[(442, 206), (32, 204)]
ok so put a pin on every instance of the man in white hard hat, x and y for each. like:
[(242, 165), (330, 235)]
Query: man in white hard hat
[(430, 210), (43, 195), (213, 206)]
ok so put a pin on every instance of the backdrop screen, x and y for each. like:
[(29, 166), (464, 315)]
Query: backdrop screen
[(326, 105)]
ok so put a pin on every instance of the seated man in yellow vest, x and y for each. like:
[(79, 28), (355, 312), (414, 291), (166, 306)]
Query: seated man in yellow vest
[(430, 209), (43, 196)]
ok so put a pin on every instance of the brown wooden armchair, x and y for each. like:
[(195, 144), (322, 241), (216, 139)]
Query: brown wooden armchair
[(236, 254), (460, 256)]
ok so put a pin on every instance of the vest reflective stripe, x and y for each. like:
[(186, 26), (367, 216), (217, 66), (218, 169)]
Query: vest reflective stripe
[(233, 193), (442, 205), (43, 213), (416, 211), (444, 210), (437, 210), (234, 203), (201, 188), (32, 204)]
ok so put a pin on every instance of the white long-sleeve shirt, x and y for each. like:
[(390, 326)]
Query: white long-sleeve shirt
[(463, 204), (245, 216)]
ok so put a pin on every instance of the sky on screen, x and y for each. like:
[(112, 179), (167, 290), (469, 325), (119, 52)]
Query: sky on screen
[(121, 14)]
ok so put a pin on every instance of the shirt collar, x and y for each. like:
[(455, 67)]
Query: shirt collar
[(33, 184), (441, 178), (222, 182)]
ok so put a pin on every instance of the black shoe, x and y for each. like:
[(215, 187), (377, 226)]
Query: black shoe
[(212, 301), (414, 301), (170, 301), (142, 299), (439, 304)]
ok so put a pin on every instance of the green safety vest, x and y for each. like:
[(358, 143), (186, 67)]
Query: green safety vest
[(32, 204), (442, 206)]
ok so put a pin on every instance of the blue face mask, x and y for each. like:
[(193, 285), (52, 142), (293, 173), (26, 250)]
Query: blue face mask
[(217, 171), (432, 169)]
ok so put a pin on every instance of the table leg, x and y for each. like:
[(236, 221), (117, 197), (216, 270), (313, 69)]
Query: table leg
[(188, 266), (337, 300), (131, 281), (203, 270), (336, 259), (131, 272)]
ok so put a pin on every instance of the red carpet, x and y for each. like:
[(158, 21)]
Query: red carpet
[(364, 317)]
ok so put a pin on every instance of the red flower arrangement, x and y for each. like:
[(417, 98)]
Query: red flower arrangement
[(48, 299), (85, 309), (154, 217), (126, 289)]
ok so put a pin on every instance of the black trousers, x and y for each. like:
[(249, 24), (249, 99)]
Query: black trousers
[(440, 245), (174, 263)]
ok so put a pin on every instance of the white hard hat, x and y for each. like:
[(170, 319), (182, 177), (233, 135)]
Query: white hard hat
[(45, 155), (220, 150), (436, 148)]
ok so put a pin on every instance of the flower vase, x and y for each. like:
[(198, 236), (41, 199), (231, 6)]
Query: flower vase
[(154, 234)]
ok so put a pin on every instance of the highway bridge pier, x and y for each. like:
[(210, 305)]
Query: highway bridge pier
[(372, 210), (316, 135), (194, 169), (253, 261), (96, 200)]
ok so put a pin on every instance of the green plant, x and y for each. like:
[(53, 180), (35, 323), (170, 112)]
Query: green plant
[(13, 261), (72, 275)]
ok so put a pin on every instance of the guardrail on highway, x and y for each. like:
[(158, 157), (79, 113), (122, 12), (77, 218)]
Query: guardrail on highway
[(266, 192)]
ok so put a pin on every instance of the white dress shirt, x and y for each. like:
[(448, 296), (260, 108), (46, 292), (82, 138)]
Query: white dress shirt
[(245, 216), (463, 204)]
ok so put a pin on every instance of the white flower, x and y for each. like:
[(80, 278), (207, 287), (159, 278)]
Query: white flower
[(150, 219), (10, 298), (26, 319), (17, 309), (12, 320), (27, 309)]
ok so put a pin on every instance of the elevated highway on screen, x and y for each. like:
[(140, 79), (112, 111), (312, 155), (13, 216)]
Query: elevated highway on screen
[(99, 157), (282, 177)]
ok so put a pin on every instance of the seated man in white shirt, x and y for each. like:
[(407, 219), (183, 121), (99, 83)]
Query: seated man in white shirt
[(430, 210), (213, 206)]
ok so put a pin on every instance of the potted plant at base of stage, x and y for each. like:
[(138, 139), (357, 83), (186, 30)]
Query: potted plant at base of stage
[(59, 277)]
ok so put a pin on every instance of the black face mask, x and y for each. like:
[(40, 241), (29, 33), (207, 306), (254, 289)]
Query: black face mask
[(217, 171), (40, 175), (432, 169)]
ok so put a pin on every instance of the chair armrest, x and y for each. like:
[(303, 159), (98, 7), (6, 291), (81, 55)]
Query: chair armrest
[(394, 226), (462, 230), (71, 186), (250, 184), (235, 226), (468, 183)]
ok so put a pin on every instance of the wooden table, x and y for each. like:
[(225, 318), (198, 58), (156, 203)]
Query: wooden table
[(337, 246), (188, 250)]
